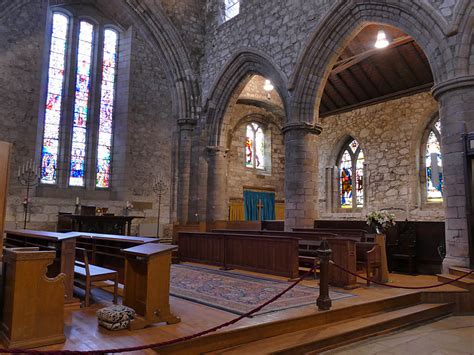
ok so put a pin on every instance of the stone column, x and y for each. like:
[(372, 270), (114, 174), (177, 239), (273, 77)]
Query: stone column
[(300, 174), (217, 202), (186, 127), (456, 111)]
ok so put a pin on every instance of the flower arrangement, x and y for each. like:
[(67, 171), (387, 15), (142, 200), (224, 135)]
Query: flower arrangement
[(380, 220)]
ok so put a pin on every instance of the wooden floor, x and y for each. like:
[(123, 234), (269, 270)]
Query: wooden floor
[(83, 333)]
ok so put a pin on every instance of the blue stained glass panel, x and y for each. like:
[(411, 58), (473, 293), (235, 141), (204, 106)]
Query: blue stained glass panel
[(104, 148), (52, 118), (81, 103)]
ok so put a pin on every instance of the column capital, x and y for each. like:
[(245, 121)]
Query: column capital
[(215, 150), (452, 84), (302, 126), (186, 124)]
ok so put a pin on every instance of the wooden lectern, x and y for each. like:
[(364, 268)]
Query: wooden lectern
[(147, 284), (343, 254), (33, 304)]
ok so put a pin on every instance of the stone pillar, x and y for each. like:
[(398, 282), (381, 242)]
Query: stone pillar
[(186, 127), (301, 166), (456, 111), (217, 202)]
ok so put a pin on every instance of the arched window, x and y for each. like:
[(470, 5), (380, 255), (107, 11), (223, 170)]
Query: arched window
[(351, 176), (87, 134), (255, 147), (433, 164), (231, 9)]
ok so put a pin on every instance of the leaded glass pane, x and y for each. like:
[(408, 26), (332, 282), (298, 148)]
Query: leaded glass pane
[(354, 145), (360, 179), (249, 147), (104, 147), (259, 149), (345, 178), (81, 103), (232, 8), (52, 119), (434, 169)]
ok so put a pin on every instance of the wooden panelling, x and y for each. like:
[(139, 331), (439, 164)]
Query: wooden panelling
[(4, 168), (267, 254)]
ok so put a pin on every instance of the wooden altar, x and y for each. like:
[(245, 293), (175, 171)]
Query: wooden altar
[(120, 225)]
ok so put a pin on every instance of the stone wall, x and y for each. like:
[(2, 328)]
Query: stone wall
[(390, 135), (146, 135), (239, 174)]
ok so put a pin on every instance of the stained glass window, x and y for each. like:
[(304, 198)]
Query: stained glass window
[(351, 176), (104, 148), (54, 97), (81, 104), (255, 147), (231, 9), (434, 165)]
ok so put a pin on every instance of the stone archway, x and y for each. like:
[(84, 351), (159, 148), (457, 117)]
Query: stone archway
[(232, 80)]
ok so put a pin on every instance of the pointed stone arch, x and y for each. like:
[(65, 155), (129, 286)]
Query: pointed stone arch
[(344, 20), (233, 77)]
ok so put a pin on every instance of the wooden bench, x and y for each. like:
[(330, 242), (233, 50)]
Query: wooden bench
[(368, 255)]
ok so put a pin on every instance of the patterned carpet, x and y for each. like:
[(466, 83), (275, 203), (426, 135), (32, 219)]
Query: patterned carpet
[(237, 293)]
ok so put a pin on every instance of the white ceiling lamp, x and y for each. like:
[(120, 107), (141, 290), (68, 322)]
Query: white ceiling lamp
[(382, 40), (268, 86)]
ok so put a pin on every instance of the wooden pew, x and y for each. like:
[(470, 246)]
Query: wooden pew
[(63, 244), (105, 250), (347, 233), (33, 305), (369, 256), (344, 248), (275, 255)]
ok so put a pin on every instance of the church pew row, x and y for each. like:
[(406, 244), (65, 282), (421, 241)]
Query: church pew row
[(274, 255), (344, 250)]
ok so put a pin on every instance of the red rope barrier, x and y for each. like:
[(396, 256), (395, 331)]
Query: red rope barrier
[(402, 287), (164, 343)]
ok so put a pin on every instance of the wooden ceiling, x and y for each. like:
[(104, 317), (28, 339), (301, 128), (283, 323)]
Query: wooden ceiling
[(364, 75)]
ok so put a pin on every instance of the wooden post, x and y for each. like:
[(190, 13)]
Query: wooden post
[(324, 254)]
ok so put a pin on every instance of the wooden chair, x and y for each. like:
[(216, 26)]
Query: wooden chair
[(368, 255), (87, 274), (404, 250)]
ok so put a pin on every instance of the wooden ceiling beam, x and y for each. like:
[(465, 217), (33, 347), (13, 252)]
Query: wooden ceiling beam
[(349, 62), (388, 97)]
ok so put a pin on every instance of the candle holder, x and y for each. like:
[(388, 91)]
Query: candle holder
[(28, 175), (159, 188)]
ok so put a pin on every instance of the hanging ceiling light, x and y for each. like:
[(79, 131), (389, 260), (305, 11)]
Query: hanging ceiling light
[(382, 40), (268, 86)]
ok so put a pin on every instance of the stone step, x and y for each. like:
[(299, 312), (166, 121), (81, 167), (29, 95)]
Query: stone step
[(465, 283), (459, 271), (324, 337)]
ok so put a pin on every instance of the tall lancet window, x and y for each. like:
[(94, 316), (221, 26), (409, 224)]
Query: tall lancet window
[(81, 104), (231, 9), (434, 164), (54, 98), (109, 71), (351, 176), (255, 147), (77, 141)]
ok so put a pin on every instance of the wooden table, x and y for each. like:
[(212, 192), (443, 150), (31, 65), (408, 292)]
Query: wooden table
[(120, 225), (147, 284), (63, 244)]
